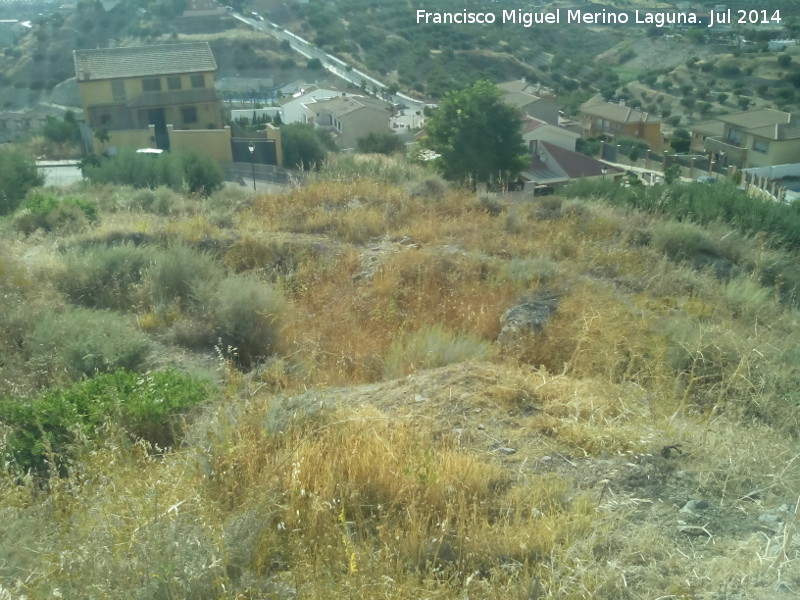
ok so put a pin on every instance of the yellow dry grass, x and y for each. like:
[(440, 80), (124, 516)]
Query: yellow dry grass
[(556, 469)]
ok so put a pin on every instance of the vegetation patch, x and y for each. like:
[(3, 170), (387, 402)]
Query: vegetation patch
[(46, 432)]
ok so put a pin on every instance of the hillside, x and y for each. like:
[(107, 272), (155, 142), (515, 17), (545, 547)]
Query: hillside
[(408, 392), (374, 421)]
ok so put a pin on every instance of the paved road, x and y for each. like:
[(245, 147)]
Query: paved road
[(333, 64)]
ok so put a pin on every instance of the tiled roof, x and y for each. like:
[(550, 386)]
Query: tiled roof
[(531, 123), (711, 127), (143, 61), (764, 122), (575, 164), (754, 119), (520, 99), (780, 131), (617, 113), (343, 105)]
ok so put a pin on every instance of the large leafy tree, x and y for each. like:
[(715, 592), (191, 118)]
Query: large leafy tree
[(476, 135)]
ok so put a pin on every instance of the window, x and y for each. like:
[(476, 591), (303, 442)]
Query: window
[(118, 91), (198, 81), (533, 147), (174, 83), (189, 114), (734, 137), (761, 146), (151, 85)]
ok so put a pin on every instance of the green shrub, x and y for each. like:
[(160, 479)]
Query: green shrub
[(704, 204), (239, 315), (18, 174), (176, 274), (246, 315), (529, 270), (48, 212), (105, 277), (202, 174), (434, 347), (380, 143), (83, 342), (138, 170), (57, 423)]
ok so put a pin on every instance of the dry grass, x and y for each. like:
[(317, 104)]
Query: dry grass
[(552, 467)]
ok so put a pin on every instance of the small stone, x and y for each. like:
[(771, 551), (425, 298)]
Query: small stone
[(768, 519), (477, 410), (481, 426), (546, 458), (694, 505), (507, 451), (419, 398)]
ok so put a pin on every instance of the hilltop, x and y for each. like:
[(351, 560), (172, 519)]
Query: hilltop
[(406, 392)]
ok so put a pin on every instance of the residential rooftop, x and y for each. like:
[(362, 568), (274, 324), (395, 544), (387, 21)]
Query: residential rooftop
[(618, 113), (143, 61), (766, 122)]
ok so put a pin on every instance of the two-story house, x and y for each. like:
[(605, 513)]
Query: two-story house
[(553, 160), (531, 100), (756, 138), (349, 118), (138, 94), (610, 119)]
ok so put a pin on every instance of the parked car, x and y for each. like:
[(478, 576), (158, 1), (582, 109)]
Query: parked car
[(256, 16)]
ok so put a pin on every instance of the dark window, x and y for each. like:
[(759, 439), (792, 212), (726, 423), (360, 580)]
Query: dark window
[(174, 83), (118, 91), (105, 120), (198, 81), (761, 146), (189, 114), (151, 85)]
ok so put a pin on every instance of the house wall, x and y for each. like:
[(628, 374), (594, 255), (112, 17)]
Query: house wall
[(293, 110), (554, 135), (100, 92), (780, 152), (98, 100), (649, 132), (359, 123), (274, 133), (131, 138), (215, 143)]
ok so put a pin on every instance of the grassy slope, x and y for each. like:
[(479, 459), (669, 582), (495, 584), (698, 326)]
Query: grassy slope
[(541, 470)]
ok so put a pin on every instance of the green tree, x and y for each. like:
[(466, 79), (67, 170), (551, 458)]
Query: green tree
[(302, 147), (476, 135), (18, 173), (681, 140)]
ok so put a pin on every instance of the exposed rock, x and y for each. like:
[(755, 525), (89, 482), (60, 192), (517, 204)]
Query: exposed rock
[(530, 314)]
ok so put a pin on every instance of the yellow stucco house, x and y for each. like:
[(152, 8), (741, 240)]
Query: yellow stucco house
[(755, 138), (154, 97), (614, 120)]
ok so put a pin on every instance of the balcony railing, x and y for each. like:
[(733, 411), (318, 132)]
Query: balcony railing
[(734, 155)]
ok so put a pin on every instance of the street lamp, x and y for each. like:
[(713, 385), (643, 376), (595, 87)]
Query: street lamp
[(252, 147)]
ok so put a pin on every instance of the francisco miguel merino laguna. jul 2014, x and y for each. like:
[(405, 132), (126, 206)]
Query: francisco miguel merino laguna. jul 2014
[(603, 17)]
